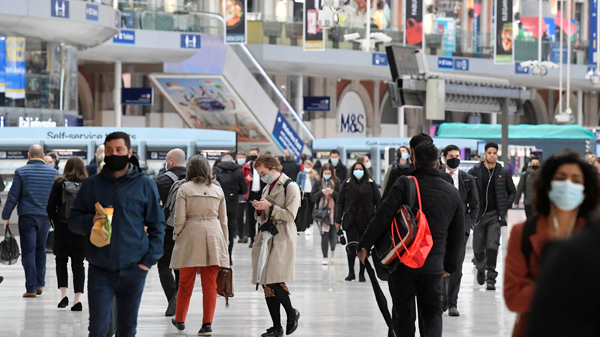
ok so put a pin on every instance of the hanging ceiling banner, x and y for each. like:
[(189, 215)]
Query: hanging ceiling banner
[(236, 21), (413, 32), (314, 39), (503, 45), (593, 24)]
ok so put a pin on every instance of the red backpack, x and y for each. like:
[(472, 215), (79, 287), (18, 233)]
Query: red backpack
[(414, 254)]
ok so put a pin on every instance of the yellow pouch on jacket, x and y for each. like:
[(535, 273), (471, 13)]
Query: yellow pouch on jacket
[(102, 230)]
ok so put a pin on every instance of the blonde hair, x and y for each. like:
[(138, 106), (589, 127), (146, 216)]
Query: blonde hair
[(100, 161), (312, 175)]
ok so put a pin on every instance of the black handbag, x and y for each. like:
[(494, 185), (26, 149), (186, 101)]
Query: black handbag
[(9, 249), (320, 214), (384, 250)]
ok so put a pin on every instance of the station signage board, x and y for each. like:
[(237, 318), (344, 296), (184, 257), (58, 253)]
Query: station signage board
[(286, 137), (137, 96), (212, 154), (125, 37), (68, 153), (156, 155), (317, 103), (13, 154), (190, 41), (445, 63), (92, 13), (59, 9), (461, 64), (380, 60)]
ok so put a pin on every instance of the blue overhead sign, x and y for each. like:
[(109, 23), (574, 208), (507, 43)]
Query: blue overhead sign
[(317, 103), (286, 137), (190, 41), (125, 37), (461, 64), (92, 13), (380, 60), (445, 63), (59, 9), (520, 69), (137, 96)]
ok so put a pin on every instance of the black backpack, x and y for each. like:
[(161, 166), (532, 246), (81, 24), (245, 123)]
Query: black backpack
[(299, 220), (229, 184), (172, 197), (70, 190)]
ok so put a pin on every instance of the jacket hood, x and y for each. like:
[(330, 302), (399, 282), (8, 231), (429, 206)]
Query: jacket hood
[(228, 166)]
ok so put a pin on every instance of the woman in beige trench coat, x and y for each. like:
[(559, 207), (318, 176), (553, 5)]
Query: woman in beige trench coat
[(201, 241), (280, 207)]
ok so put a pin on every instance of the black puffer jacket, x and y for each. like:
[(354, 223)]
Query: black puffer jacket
[(505, 189), (357, 203), (442, 207), (232, 181)]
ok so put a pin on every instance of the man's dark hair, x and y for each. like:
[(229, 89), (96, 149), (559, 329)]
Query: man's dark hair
[(426, 155), (491, 144), (255, 149), (303, 157), (53, 154), (418, 139), (119, 135), (334, 151), (543, 183), (534, 158), (449, 148)]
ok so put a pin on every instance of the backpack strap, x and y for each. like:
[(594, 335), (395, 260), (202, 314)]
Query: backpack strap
[(526, 247), (172, 175), (416, 182)]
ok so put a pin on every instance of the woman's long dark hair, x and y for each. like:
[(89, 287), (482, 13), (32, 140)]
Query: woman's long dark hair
[(75, 170), (543, 180), (367, 172), (360, 198), (331, 168)]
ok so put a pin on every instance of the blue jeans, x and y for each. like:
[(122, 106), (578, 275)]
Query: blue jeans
[(127, 285), (33, 232)]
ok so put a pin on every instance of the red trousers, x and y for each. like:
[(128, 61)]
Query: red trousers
[(187, 278)]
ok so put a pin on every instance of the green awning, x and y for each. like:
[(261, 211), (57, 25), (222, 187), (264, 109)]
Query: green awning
[(494, 131)]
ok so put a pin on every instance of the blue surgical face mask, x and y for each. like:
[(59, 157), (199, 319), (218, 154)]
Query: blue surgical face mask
[(566, 195), (241, 161), (326, 176), (405, 155), (335, 161), (358, 174)]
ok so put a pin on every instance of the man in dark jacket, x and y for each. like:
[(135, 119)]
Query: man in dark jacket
[(255, 187), (29, 193), (467, 187), (442, 207), (119, 268), (525, 186), (233, 184), (175, 164), (92, 168), (497, 191), (289, 166), (341, 172)]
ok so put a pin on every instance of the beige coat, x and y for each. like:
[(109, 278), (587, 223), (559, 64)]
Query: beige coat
[(282, 247), (200, 234)]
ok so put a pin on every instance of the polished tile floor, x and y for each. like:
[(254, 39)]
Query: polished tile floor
[(329, 305)]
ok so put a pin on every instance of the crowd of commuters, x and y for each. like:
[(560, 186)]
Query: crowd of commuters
[(190, 215)]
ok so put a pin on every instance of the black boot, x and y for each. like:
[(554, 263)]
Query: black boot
[(492, 256), (351, 260), (361, 273)]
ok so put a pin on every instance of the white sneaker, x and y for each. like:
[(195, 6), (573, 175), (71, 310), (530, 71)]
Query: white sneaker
[(325, 261)]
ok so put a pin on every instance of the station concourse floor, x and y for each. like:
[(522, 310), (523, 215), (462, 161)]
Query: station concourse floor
[(329, 305)]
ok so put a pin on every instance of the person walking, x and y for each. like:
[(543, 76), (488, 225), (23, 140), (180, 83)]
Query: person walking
[(289, 166), (566, 192), (341, 172), (233, 184), (255, 186), (358, 200), (402, 170), (242, 224), (402, 159), (201, 241), (497, 193), (275, 212), (469, 197), (92, 168), (169, 279), (324, 195), (136, 243), (441, 205), (66, 243), (29, 192), (525, 186), (306, 180)]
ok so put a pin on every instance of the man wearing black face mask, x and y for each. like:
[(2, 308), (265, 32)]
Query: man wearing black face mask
[(138, 225), (526, 186), (466, 186)]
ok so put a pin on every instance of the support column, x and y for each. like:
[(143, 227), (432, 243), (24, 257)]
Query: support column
[(395, 22), (485, 11), (117, 94), (505, 123), (494, 119), (580, 107), (465, 39), (551, 105), (299, 104)]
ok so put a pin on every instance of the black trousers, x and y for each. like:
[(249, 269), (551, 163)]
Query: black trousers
[(169, 283), (451, 297), (250, 220), (242, 229), (77, 267), (486, 242), (232, 213), (528, 211), (405, 286), (308, 210)]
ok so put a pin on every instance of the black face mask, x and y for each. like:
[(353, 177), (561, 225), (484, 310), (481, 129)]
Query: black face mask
[(115, 163), (252, 158), (453, 163), (535, 167)]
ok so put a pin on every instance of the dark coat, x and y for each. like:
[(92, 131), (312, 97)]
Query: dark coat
[(316, 194), (346, 211), (341, 171), (290, 168), (92, 169), (65, 241), (469, 195), (397, 172), (566, 300), (442, 208), (138, 223), (525, 187), (164, 183), (232, 180), (505, 189), (30, 189)]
